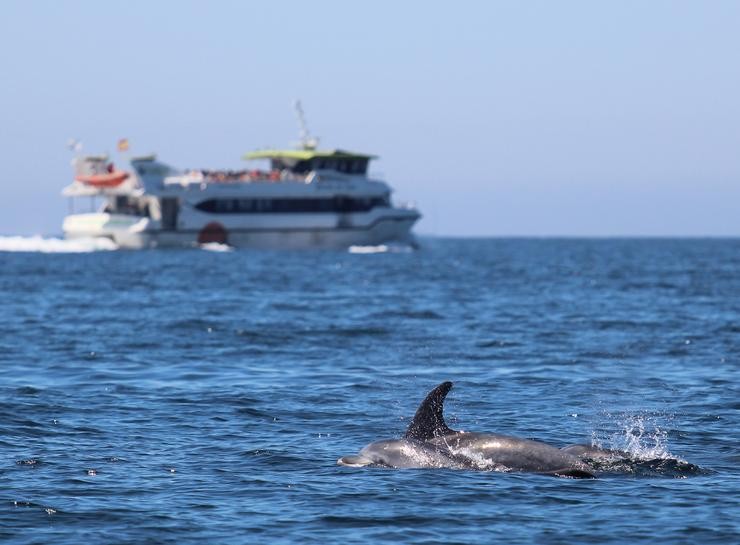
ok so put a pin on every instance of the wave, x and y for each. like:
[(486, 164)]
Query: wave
[(55, 245)]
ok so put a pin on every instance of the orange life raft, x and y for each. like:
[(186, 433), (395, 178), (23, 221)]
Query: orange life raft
[(109, 179)]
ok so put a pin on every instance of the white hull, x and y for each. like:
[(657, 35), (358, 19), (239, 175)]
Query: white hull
[(162, 208), (126, 231), (145, 233)]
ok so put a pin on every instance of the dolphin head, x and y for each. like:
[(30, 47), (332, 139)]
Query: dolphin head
[(398, 453)]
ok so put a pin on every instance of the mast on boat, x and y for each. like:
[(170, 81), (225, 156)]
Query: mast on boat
[(307, 142)]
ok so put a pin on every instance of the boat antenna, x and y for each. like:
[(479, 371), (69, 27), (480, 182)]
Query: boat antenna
[(307, 141), (74, 145)]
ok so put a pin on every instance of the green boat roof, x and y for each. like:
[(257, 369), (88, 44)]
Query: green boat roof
[(305, 154)]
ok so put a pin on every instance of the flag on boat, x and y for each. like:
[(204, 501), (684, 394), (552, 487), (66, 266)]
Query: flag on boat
[(123, 144)]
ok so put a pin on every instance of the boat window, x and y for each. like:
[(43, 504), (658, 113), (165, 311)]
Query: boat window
[(342, 204), (170, 210), (130, 206), (302, 166)]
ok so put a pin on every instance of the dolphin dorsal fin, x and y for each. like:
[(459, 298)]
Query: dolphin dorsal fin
[(428, 421)]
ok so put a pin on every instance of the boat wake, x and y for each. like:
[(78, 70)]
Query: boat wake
[(382, 249), (55, 245), (215, 247)]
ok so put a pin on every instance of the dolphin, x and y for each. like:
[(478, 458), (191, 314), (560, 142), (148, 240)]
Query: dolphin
[(429, 442)]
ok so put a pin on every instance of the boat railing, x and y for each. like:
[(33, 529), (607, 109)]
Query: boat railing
[(207, 177), (237, 176), (406, 205)]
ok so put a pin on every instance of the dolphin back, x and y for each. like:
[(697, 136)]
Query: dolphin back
[(429, 421)]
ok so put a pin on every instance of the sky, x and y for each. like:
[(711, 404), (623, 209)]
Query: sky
[(518, 118)]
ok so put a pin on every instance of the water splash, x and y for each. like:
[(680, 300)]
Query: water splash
[(422, 457), (642, 435), (478, 460), (55, 245), (640, 447)]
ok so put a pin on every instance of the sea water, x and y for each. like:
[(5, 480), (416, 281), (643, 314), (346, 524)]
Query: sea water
[(204, 396)]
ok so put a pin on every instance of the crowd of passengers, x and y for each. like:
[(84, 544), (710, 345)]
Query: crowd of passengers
[(226, 176)]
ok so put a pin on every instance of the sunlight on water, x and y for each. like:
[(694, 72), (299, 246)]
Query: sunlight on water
[(145, 399), (55, 245)]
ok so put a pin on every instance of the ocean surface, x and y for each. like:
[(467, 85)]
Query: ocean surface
[(205, 396)]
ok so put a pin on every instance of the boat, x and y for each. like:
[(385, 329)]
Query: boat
[(306, 198)]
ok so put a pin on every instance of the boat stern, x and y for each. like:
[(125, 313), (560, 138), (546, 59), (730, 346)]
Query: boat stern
[(126, 231)]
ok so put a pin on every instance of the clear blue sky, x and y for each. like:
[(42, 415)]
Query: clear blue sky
[(497, 118)]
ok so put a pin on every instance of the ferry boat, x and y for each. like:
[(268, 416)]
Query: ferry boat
[(308, 198)]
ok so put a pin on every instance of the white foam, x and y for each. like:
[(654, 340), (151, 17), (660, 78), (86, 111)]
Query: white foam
[(216, 247), (368, 249), (55, 245), (381, 249)]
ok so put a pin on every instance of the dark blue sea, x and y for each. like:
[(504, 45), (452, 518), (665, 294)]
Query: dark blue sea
[(195, 396)]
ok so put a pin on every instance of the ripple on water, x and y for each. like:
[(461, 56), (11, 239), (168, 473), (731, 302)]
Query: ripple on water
[(189, 396)]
